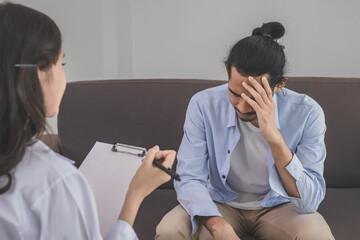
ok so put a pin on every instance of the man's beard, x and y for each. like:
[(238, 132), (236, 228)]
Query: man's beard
[(241, 116)]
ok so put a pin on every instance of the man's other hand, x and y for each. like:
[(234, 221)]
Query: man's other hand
[(219, 228)]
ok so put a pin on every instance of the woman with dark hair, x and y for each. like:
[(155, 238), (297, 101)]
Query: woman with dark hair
[(253, 152), (42, 196)]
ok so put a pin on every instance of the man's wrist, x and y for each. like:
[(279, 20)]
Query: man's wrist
[(276, 139), (214, 223), (281, 153)]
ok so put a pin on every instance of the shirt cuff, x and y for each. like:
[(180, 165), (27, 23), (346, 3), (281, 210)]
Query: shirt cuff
[(121, 230), (194, 221), (295, 168)]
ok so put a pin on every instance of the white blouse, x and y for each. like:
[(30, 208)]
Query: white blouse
[(51, 199)]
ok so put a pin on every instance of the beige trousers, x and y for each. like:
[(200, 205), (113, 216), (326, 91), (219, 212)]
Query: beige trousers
[(281, 222)]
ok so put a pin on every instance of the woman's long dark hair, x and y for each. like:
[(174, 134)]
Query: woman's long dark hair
[(26, 37)]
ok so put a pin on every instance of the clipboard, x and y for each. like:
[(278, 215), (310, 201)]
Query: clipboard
[(109, 169)]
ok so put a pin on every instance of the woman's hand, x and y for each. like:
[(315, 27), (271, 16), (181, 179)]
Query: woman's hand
[(147, 178)]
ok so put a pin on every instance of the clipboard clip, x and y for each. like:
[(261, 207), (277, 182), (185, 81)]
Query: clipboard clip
[(141, 152), (128, 149)]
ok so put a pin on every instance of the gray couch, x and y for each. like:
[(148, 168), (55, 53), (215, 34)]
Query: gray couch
[(152, 111)]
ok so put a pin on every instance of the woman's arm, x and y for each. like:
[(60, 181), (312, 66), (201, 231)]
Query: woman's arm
[(147, 179)]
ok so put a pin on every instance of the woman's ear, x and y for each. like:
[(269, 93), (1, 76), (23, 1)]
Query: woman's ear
[(42, 75), (45, 75)]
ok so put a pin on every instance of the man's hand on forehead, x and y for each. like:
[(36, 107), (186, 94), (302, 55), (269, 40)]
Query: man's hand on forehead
[(258, 79), (263, 105), (259, 89)]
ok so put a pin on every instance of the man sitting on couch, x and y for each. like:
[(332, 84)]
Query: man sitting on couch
[(252, 156)]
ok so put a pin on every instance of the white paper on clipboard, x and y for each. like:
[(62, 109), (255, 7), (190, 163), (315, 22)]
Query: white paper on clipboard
[(109, 174)]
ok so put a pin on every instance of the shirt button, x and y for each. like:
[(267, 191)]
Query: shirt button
[(223, 176), (228, 151)]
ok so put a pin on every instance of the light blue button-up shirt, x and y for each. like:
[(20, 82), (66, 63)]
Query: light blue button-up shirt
[(211, 134)]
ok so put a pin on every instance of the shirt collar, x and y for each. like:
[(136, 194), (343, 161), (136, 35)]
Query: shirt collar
[(232, 115)]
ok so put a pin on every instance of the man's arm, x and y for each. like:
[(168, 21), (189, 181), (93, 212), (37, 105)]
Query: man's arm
[(193, 167), (265, 111), (302, 180), (282, 157)]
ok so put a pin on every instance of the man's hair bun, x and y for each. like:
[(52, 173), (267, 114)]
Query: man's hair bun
[(274, 30)]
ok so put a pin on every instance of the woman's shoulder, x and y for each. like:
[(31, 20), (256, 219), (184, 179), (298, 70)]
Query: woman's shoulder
[(41, 159), (42, 182), (39, 170)]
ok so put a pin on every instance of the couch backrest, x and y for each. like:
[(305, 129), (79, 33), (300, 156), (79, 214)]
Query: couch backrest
[(135, 112), (340, 100), (152, 111)]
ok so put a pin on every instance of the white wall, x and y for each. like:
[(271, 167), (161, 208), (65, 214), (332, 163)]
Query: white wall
[(105, 39), (191, 38), (97, 37)]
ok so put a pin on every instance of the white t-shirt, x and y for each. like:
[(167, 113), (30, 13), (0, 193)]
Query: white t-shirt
[(249, 175), (51, 199)]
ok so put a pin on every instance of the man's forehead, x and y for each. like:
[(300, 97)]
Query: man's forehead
[(238, 78)]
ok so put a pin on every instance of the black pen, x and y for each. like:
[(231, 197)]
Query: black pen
[(141, 152), (167, 170)]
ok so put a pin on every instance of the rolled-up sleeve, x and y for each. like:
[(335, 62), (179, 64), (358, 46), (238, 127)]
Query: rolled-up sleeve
[(307, 165)]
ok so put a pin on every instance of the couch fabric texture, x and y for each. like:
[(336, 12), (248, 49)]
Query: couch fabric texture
[(152, 111)]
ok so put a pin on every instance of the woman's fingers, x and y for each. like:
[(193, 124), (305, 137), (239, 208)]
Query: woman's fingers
[(150, 156), (166, 157)]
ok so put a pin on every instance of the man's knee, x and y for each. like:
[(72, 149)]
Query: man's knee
[(314, 230), (165, 230), (176, 224)]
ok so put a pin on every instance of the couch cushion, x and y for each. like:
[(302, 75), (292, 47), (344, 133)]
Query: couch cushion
[(152, 210), (341, 210)]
